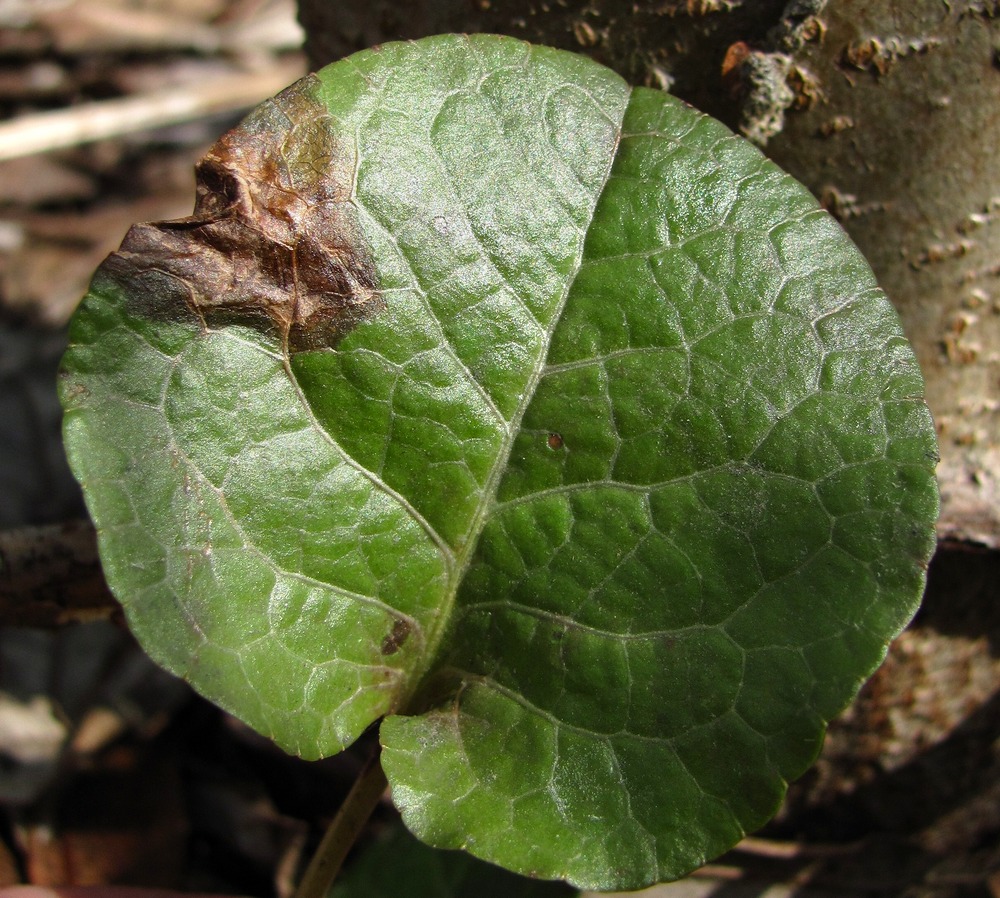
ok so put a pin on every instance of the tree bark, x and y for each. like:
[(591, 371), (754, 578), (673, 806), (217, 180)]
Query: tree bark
[(887, 110)]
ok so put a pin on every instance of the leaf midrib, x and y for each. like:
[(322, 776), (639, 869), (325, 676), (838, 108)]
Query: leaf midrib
[(458, 562), (484, 509)]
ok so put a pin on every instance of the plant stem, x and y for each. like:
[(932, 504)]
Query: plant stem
[(342, 833)]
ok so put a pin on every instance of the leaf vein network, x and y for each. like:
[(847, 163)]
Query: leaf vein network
[(183, 457)]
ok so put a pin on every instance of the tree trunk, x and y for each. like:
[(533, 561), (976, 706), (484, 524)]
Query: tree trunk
[(888, 111)]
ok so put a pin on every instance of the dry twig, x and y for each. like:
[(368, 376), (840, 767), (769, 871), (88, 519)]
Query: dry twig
[(45, 131)]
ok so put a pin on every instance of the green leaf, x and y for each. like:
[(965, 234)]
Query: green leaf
[(538, 414), (397, 864)]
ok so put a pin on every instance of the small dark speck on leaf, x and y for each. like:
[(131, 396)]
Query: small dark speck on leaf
[(76, 391), (394, 641), (555, 441)]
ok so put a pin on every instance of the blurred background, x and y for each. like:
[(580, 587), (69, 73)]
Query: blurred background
[(110, 770)]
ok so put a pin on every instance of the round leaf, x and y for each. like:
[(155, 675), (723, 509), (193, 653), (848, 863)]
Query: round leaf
[(539, 415)]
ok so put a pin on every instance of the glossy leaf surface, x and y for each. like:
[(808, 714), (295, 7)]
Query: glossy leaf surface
[(538, 414)]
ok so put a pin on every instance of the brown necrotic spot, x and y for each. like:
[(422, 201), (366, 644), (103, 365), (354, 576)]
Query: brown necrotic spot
[(395, 640), (273, 242)]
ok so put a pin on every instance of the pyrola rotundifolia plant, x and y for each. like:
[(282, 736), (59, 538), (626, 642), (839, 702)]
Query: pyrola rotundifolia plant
[(533, 415)]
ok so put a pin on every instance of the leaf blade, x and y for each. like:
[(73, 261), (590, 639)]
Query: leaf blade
[(615, 461)]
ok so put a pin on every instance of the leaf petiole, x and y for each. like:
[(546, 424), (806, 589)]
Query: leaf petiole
[(343, 831)]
